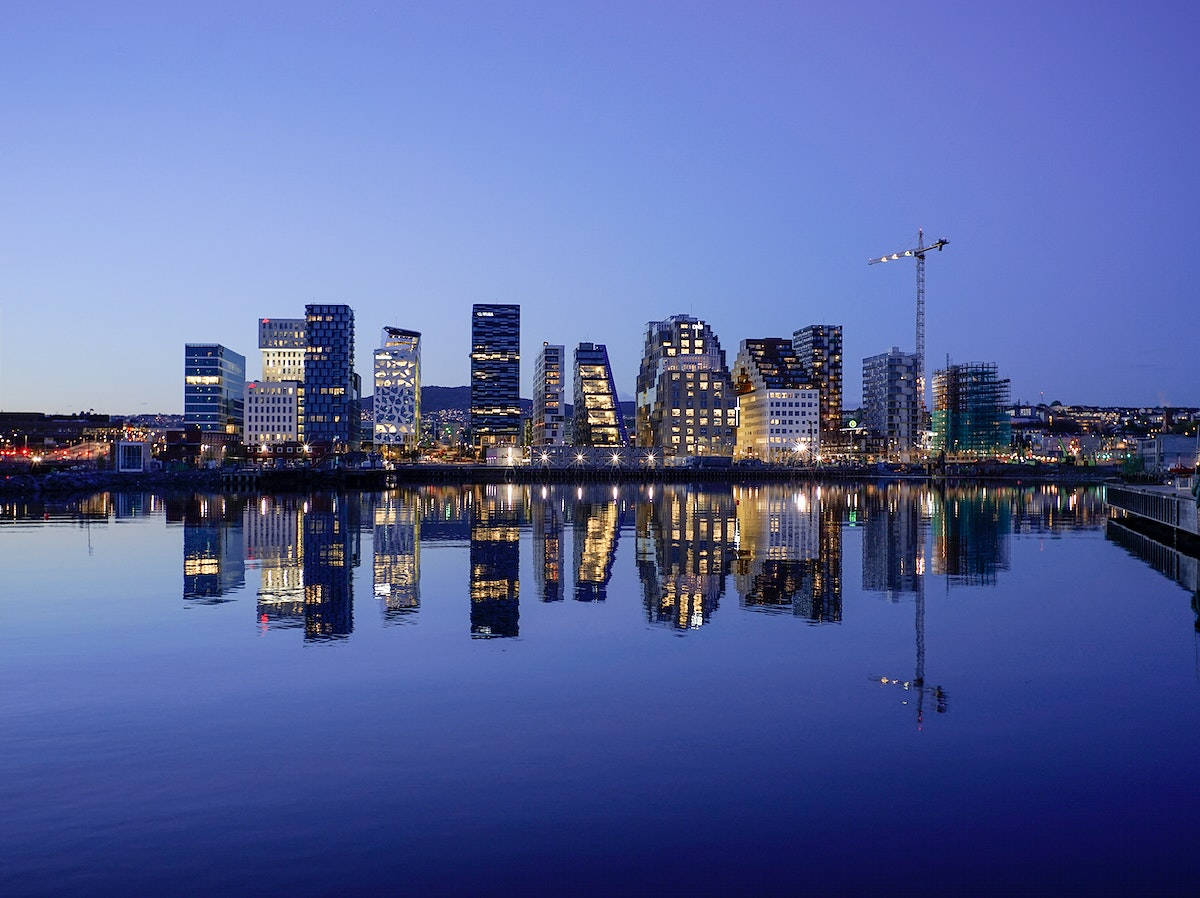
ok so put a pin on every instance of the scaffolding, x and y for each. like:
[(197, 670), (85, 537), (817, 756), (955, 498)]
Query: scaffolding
[(970, 410)]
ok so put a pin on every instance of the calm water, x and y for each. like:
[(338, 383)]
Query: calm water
[(591, 691)]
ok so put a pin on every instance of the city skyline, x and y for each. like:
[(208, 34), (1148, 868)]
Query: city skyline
[(173, 178)]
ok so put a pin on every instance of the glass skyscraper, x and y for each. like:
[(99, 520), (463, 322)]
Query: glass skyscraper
[(549, 416), (598, 419), (329, 415), (819, 348), (214, 384), (495, 374)]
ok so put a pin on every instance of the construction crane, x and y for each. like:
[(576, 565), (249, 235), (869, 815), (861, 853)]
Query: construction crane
[(919, 253)]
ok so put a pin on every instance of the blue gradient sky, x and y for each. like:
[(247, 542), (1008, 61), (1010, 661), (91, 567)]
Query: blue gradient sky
[(170, 177)]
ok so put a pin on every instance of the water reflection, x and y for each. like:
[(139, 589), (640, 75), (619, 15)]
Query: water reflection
[(789, 554), (1168, 560), (779, 547), (214, 550), (685, 548), (495, 562)]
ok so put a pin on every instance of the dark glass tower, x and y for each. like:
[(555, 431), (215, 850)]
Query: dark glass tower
[(495, 374), (329, 416)]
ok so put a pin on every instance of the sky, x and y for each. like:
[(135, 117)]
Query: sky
[(170, 175)]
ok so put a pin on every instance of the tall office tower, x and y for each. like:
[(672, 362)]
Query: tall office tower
[(819, 348), (214, 384), (970, 409), (778, 413), (281, 341), (329, 413), (495, 374), (397, 402), (549, 416), (597, 418), (685, 400), (891, 410)]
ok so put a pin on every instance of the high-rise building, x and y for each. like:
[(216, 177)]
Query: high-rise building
[(214, 383), (819, 348), (598, 420), (329, 411), (397, 397), (970, 409), (549, 416), (281, 341), (891, 410), (495, 374), (685, 400), (778, 408)]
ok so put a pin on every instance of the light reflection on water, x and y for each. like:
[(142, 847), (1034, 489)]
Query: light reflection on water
[(397, 675)]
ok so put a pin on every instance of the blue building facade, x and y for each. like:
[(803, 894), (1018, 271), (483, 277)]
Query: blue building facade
[(214, 384), (495, 374), (329, 415)]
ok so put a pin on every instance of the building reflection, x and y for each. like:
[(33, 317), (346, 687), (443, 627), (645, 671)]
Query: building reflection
[(275, 545), (789, 551), (214, 554), (971, 527), (893, 539), (397, 558), (684, 547), (330, 550), (1168, 560), (546, 517), (495, 562), (597, 525)]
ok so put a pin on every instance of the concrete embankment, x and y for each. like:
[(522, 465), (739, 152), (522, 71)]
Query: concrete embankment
[(298, 479)]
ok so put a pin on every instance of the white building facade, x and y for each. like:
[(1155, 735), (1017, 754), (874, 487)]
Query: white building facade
[(549, 413), (779, 414), (272, 414), (397, 402)]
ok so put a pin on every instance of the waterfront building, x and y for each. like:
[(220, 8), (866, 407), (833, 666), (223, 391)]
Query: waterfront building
[(272, 415), (685, 399), (281, 342), (778, 408), (329, 410), (214, 383), (970, 409), (819, 348), (597, 418), (396, 405), (549, 415), (495, 374), (891, 406)]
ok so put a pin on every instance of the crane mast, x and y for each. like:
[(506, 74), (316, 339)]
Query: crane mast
[(918, 252)]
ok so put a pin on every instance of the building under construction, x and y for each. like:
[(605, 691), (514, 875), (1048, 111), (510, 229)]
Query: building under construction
[(970, 409)]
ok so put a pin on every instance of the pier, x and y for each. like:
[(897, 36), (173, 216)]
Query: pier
[(1171, 510)]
